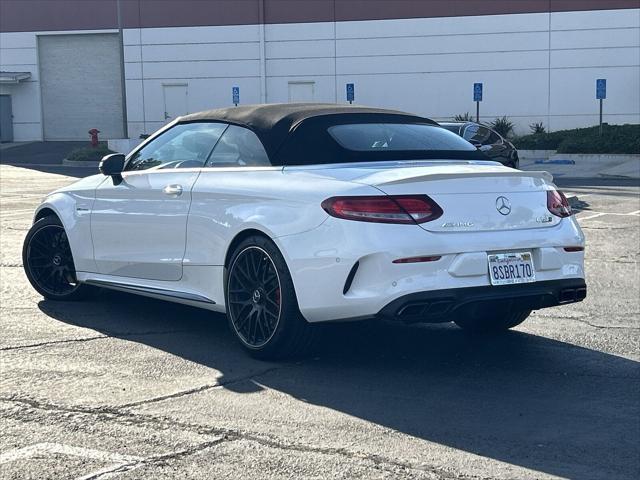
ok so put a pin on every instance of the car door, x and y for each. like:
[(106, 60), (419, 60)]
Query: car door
[(138, 224), (497, 148), (232, 188)]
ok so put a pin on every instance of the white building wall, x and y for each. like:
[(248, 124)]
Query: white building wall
[(586, 46), (210, 60), (535, 67), (19, 53)]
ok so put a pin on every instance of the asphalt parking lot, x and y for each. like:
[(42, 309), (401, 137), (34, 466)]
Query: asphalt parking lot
[(128, 387)]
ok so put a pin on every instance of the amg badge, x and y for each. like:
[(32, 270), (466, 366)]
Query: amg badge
[(457, 225)]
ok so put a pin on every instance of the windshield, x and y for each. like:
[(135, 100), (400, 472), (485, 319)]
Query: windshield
[(371, 137)]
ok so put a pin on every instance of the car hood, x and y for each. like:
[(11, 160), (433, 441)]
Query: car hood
[(87, 183)]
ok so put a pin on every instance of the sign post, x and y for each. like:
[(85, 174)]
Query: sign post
[(351, 92), (235, 93), (477, 97), (601, 94)]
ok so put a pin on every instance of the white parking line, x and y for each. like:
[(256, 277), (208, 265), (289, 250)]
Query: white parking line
[(600, 214), (582, 219), (116, 461)]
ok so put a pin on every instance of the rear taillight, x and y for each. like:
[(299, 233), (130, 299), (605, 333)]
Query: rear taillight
[(558, 204), (405, 209)]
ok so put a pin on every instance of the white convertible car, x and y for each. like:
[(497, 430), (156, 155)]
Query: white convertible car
[(283, 216)]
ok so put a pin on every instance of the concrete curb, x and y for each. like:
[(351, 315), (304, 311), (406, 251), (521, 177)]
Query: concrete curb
[(583, 165), (69, 163), (535, 154), (8, 145)]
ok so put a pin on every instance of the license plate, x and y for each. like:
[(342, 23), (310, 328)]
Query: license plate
[(511, 268)]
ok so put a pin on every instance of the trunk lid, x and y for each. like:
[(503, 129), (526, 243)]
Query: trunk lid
[(474, 196)]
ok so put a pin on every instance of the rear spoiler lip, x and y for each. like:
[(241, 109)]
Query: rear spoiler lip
[(453, 176)]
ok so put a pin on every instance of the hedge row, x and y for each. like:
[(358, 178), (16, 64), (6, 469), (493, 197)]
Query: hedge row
[(89, 154), (614, 139)]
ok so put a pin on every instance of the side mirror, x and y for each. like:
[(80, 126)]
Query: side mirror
[(112, 166)]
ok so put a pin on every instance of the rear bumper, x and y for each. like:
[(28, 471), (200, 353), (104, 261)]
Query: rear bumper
[(445, 305), (321, 263)]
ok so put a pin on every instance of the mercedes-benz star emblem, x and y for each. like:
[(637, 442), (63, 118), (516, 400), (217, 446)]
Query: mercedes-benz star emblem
[(503, 205)]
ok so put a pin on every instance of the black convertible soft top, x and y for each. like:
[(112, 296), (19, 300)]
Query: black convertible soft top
[(297, 133)]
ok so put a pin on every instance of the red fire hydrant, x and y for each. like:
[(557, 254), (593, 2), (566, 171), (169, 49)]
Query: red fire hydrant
[(94, 136)]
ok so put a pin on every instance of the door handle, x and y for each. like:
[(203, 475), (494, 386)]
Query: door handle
[(173, 190)]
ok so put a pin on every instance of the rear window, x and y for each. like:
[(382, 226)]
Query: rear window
[(396, 137)]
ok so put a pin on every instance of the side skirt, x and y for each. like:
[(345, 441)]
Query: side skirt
[(187, 298)]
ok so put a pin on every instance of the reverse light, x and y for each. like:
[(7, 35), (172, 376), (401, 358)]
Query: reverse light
[(558, 204), (402, 209)]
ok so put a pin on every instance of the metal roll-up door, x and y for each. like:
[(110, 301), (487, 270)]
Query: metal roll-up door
[(81, 85)]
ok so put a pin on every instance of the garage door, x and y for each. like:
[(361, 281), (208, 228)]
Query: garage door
[(81, 85)]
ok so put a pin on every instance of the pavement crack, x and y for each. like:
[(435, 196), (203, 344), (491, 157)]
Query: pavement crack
[(161, 398), (154, 460), (88, 339), (53, 342), (199, 389), (602, 327), (52, 407), (224, 435)]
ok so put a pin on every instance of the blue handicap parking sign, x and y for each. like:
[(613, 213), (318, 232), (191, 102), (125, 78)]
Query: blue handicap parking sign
[(601, 89), (235, 91), (477, 92), (351, 92)]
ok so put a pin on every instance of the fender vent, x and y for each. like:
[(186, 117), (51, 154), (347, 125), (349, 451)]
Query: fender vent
[(350, 277)]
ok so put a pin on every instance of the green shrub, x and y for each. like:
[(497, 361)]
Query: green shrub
[(503, 126), (89, 154), (537, 127), (614, 139), (541, 141), (465, 117)]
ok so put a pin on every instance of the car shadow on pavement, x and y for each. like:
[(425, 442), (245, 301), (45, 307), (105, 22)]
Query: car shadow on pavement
[(519, 398)]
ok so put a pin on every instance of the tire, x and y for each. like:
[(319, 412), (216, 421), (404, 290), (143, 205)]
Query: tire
[(261, 303), (48, 262), (496, 321)]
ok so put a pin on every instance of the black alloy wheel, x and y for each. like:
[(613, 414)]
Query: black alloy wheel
[(48, 261), (262, 307), (254, 294)]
